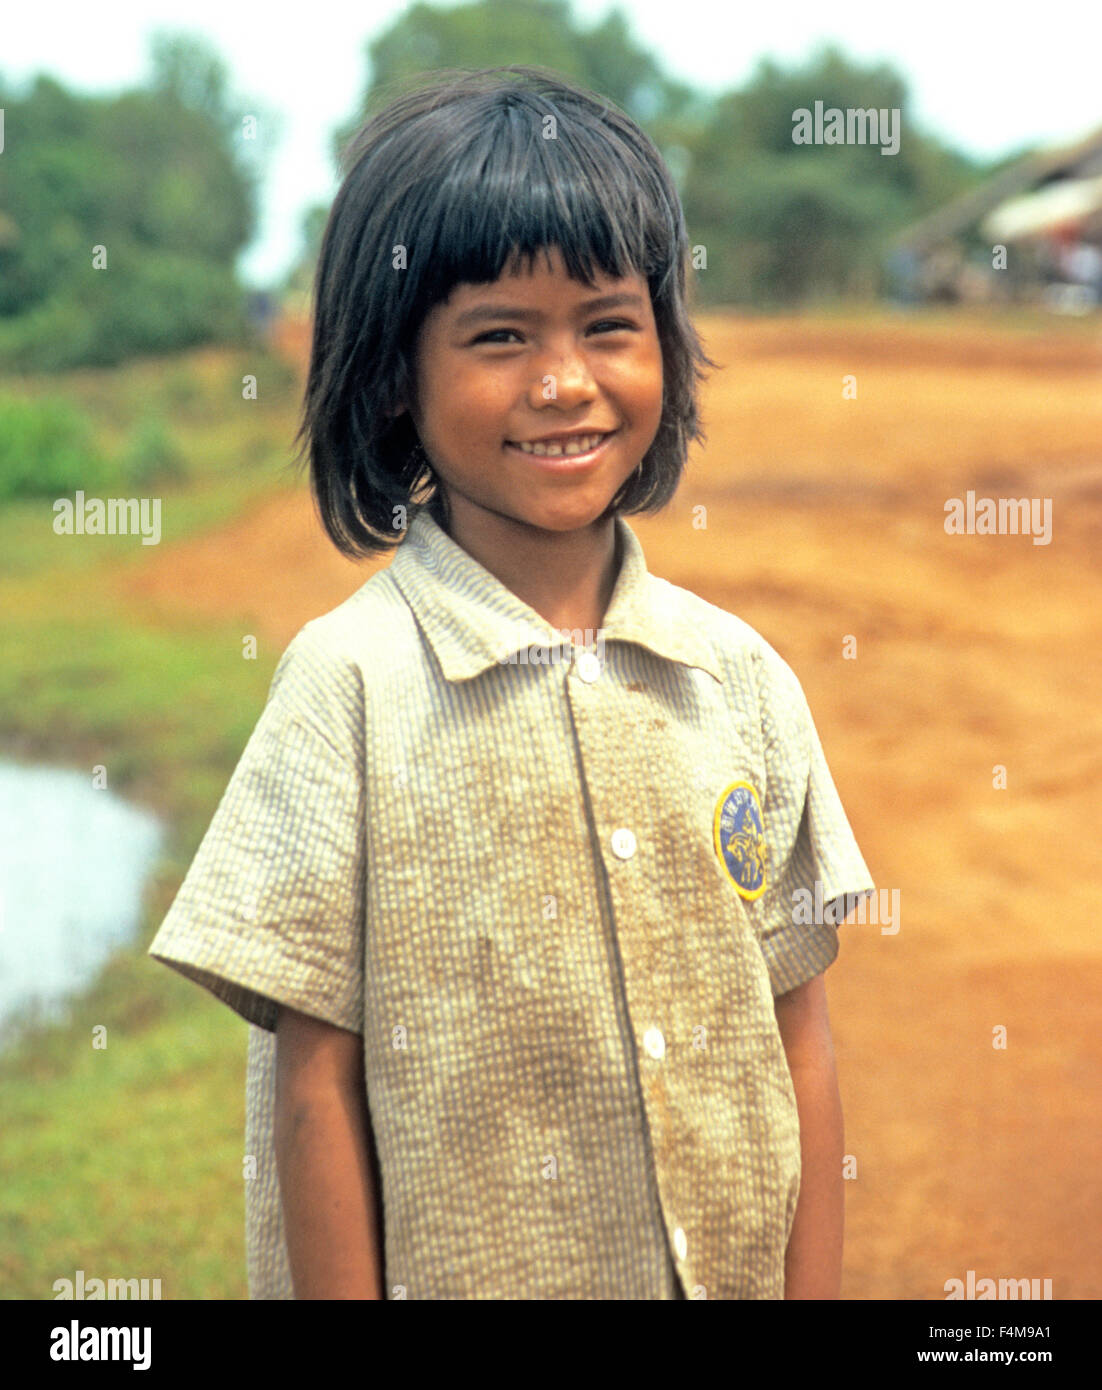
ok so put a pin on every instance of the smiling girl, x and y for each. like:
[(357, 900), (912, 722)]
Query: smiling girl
[(532, 1014)]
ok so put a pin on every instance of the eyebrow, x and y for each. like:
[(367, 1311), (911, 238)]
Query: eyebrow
[(484, 312)]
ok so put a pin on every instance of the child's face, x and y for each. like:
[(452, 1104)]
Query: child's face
[(542, 358)]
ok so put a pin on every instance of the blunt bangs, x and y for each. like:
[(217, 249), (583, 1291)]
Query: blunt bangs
[(455, 183)]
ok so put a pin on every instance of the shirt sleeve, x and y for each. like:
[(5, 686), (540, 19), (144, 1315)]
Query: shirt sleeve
[(271, 910), (814, 864)]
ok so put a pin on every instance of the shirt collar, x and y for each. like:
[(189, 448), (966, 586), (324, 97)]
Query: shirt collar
[(473, 621)]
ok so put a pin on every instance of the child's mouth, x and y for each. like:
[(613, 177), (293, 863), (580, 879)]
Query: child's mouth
[(564, 454)]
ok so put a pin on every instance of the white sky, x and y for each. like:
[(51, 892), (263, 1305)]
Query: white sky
[(983, 77)]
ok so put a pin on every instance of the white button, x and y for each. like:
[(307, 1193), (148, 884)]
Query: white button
[(589, 667), (623, 843), (680, 1244), (655, 1043)]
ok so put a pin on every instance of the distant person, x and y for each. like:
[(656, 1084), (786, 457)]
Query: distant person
[(903, 270), (262, 310), (510, 904)]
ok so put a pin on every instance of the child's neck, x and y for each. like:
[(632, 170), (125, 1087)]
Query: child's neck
[(567, 577)]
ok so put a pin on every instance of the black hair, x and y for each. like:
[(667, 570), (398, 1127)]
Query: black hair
[(461, 174)]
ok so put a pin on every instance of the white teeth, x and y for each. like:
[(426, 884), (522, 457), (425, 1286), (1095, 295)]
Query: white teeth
[(553, 449)]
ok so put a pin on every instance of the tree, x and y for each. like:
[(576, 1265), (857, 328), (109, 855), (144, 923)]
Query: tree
[(492, 33), (160, 179), (784, 222)]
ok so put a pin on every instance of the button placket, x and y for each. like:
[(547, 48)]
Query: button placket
[(637, 940)]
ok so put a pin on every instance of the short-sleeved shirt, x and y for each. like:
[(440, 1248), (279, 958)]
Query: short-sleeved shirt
[(552, 880)]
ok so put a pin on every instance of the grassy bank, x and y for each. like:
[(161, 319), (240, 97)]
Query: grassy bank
[(126, 1161)]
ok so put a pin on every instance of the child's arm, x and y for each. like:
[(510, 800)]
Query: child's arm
[(813, 1262), (326, 1174)]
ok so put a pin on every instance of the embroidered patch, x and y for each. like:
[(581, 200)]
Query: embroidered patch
[(739, 832)]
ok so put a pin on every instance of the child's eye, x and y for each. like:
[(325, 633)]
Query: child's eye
[(496, 333)]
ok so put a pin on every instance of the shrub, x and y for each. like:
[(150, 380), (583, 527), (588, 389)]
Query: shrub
[(47, 450), (152, 455)]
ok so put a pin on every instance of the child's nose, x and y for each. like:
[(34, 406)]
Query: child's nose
[(564, 375)]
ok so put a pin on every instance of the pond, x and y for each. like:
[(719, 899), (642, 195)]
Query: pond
[(73, 864)]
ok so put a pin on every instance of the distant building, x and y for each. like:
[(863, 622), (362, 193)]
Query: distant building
[(1046, 210)]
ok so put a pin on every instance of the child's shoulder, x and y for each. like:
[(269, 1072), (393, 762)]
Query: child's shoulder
[(758, 682), (369, 626), (739, 648), (336, 659)]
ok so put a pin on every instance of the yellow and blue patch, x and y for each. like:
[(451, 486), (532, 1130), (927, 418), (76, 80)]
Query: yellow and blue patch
[(739, 832)]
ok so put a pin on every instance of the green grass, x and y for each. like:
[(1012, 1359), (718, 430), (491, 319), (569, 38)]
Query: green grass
[(232, 452), (122, 1159), (32, 548), (126, 1161)]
